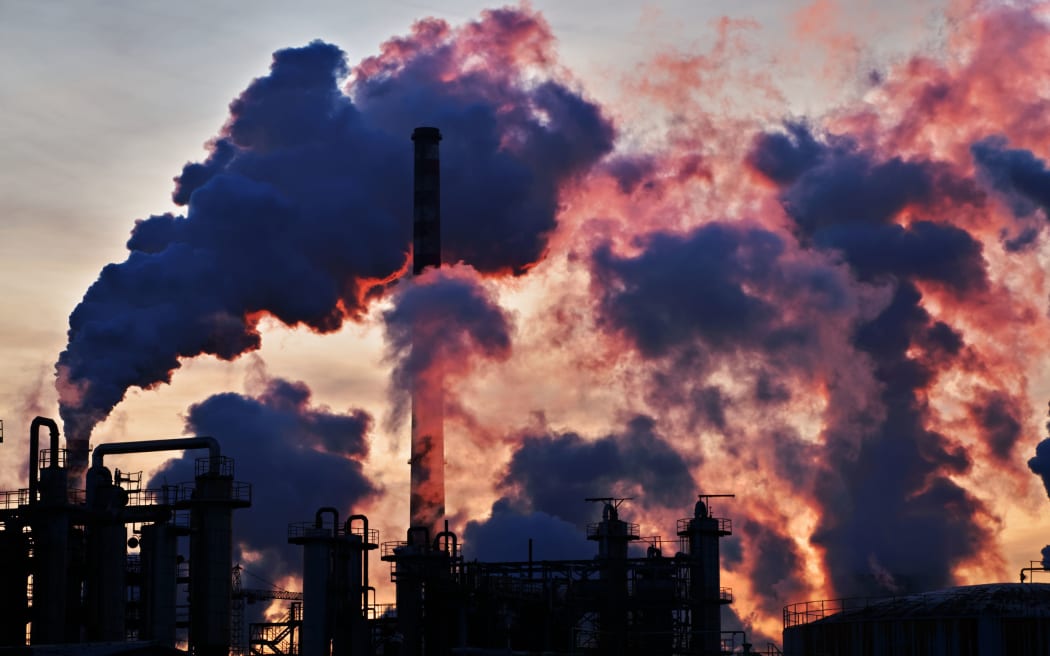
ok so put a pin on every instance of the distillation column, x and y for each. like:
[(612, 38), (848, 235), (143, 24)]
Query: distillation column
[(211, 503), (613, 536), (706, 596)]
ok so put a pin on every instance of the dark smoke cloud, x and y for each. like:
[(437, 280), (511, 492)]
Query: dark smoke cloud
[(554, 473), (732, 621), (784, 156), (1040, 462), (1016, 173), (773, 564), (998, 418), (922, 251), (302, 210), (442, 321), (846, 199), (505, 535), (641, 296), (719, 285), (1022, 180), (631, 172), (738, 288), (835, 182), (285, 446), (894, 520), (513, 143)]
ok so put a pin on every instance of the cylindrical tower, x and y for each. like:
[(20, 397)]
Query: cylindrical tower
[(706, 595), (613, 536), (427, 494), (318, 543), (211, 503), (107, 553), (159, 571)]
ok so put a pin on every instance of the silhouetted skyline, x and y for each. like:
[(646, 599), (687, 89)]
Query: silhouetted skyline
[(667, 272)]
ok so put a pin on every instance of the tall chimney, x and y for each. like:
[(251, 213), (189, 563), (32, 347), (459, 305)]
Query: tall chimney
[(427, 495)]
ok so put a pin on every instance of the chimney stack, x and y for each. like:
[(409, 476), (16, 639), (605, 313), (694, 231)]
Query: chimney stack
[(427, 494)]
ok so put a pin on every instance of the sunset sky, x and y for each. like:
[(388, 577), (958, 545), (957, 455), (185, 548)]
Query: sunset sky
[(793, 251)]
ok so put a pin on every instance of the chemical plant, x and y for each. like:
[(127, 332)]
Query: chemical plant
[(72, 576), (117, 569)]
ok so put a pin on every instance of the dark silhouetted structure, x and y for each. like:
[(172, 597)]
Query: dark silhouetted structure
[(996, 619), (427, 495), (69, 574)]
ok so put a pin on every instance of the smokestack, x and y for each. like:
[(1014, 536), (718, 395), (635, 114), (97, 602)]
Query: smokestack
[(427, 500)]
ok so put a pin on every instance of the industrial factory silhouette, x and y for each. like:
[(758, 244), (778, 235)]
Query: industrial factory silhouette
[(115, 568), (103, 567)]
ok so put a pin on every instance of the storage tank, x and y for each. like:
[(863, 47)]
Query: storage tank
[(994, 619)]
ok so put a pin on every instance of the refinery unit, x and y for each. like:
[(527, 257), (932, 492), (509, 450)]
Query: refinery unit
[(73, 577), (112, 568), (117, 569)]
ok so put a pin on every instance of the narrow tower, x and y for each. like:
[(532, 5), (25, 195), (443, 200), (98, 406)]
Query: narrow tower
[(701, 534), (427, 500)]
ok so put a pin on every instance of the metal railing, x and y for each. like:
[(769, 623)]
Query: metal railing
[(223, 466), (372, 536), (13, 499), (311, 530), (724, 524), (812, 611), (46, 456), (164, 496), (805, 612), (623, 529), (238, 491)]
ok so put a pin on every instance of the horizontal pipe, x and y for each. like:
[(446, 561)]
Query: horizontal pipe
[(149, 446)]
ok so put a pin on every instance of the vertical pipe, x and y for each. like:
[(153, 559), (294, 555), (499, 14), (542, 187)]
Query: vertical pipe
[(427, 494), (364, 562), (34, 451)]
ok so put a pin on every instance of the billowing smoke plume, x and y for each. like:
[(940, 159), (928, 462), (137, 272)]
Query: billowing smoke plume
[(840, 318), (1040, 465), (834, 324), (550, 475), (505, 536), (899, 480), (439, 324), (283, 444), (302, 210)]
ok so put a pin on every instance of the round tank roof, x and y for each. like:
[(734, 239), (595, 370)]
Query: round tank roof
[(991, 599)]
